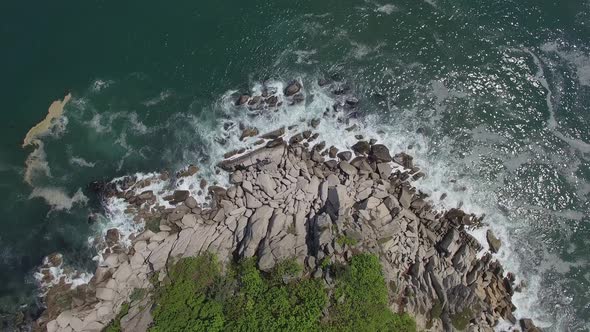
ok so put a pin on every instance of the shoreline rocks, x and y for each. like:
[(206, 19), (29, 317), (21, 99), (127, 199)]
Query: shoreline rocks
[(298, 199)]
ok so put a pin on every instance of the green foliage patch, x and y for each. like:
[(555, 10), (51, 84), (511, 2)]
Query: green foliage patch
[(115, 325), (343, 239), (196, 296), (362, 300), (461, 319)]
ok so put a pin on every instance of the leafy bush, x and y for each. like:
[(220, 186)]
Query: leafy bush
[(343, 239), (197, 297), (362, 302), (182, 304), (266, 303)]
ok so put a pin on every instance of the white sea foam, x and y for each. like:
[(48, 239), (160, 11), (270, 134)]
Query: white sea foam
[(59, 273), (99, 85), (57, 198), (387, 9), (79, 161), (158, 99)]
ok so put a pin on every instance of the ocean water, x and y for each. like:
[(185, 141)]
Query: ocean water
[(491, 97)]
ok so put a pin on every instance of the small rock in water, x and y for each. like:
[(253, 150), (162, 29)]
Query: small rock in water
[(274, 134), (248, 132), (298, 98), (351, 128), (203, 184), (242, 99), (315, 122), (352, 101), (293, 88), (272, 101)]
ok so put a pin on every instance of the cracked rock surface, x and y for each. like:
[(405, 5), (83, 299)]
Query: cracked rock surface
[(286, 201)]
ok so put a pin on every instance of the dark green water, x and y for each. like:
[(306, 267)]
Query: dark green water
[(500, 91)]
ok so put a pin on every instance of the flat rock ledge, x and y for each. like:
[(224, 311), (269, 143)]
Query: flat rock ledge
[(287, 201)]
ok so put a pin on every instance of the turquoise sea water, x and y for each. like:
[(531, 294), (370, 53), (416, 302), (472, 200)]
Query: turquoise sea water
[(491, 97)]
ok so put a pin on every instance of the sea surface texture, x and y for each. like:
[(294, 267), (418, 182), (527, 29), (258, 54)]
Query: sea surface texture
[(490, 97)]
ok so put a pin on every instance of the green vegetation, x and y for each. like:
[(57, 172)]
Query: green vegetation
[(362, 300), (196, 296), (153, 224), (115, 325), (183, 304), (461, 319), (325, 263), (343, 239), (137, 294), (435, 313)]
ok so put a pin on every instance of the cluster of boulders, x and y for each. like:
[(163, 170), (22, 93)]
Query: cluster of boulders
[(294, 197), (270, 98)]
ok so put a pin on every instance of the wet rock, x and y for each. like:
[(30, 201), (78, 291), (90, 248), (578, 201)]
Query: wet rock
[(275, 143), (242, 99), (272, 101), (293, 88), (180, 196), (493, 241), (315, 123), (274, 134), (404, 160), (248, 132), (298, 98), (112, 237), (189, 171), (332, 152), (297, 138), (361, 148), (352, 101), (233, 153), (380, 153), (345, 155), (527, 325)]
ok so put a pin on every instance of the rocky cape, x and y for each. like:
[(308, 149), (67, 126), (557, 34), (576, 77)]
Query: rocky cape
[(294, 198)]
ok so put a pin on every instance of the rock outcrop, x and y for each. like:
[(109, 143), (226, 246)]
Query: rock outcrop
[(287, 201)]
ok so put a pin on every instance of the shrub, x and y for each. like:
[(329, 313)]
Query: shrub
[(196, 297), (343, 239), (266, 303), (182, 304), (362, 300)]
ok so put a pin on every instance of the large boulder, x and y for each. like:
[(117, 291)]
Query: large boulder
[(112, 236), (380, 153), (361, 147)]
